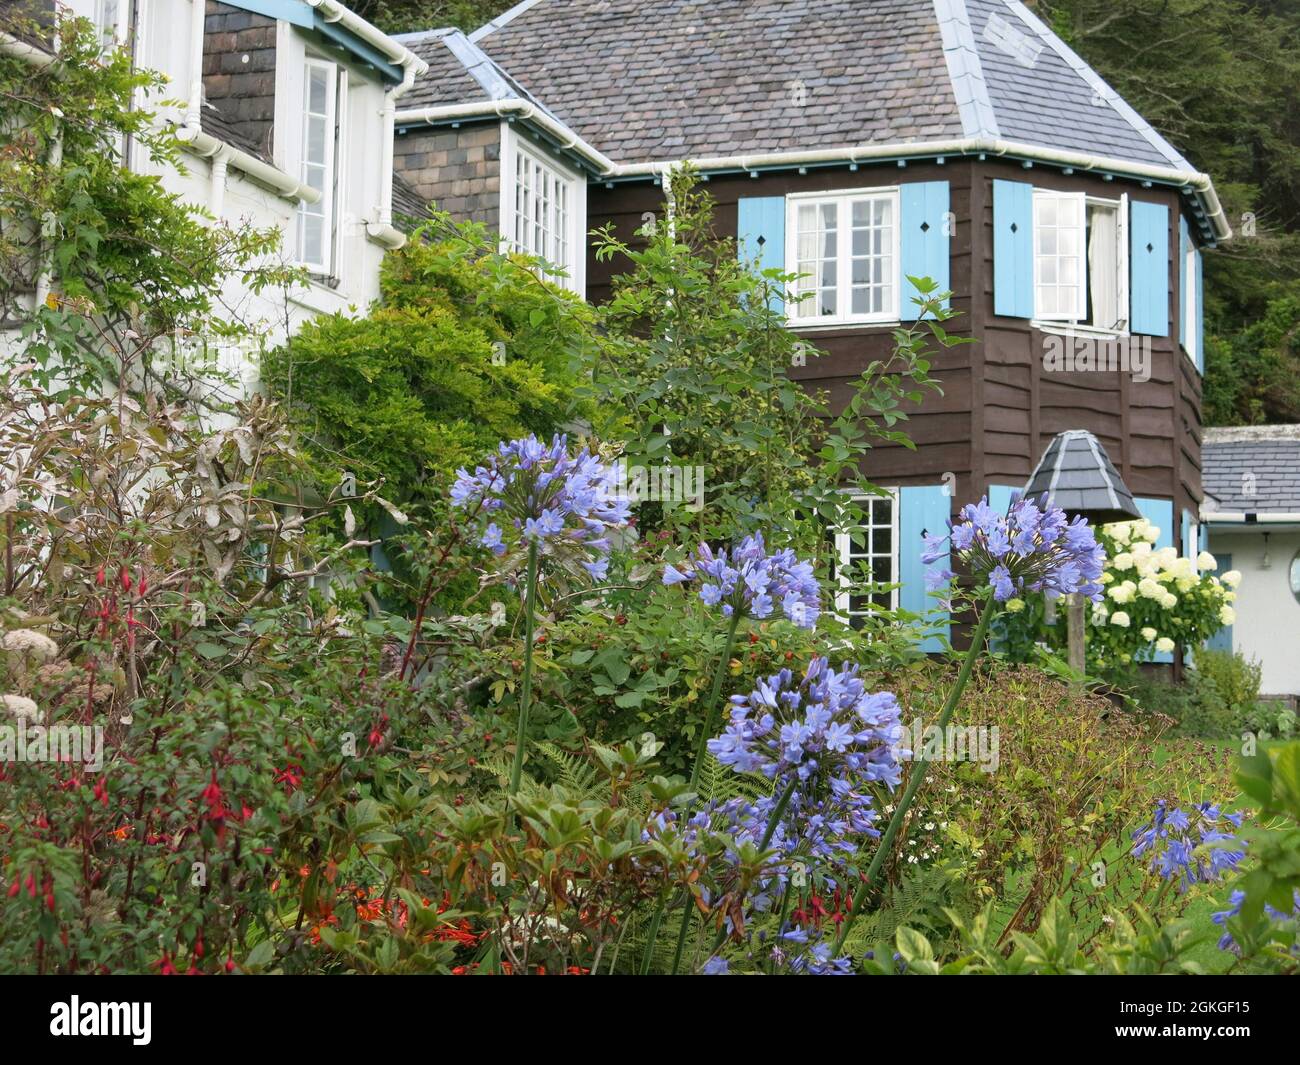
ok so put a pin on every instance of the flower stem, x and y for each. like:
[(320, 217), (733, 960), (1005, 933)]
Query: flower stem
[(777, 813), (526, 693), (919, 770), (710, 715), (711, 710)]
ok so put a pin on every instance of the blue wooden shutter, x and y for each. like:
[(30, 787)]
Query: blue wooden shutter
[(1160, 513), (1013, 249), (1221, 640), (1149, 268), (922, 510), (924, 240), (760, 234)]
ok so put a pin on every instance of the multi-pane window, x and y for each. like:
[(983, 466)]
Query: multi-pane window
[(866, 560), (1080, 260), (845, 249), (319, 153), (542, 210)]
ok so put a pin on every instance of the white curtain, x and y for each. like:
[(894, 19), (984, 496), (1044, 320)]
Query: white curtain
[(1103, 274)]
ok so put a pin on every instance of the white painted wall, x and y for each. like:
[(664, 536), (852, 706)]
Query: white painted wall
[(1268, 616), (164, 45)]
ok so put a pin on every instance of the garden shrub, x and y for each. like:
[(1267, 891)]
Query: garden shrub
[(1076, 776)]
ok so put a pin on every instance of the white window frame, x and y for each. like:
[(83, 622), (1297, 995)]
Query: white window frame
[(844, 547), (326, 207), (515, 146), (1072, 323), (844, 199), (1191, 304)]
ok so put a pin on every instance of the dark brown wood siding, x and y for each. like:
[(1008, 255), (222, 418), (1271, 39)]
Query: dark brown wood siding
[(1000, 407)]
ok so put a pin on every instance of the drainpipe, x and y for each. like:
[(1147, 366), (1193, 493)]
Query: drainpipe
[(205, 146)]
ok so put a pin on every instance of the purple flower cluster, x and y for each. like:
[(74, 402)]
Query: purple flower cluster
[(1175, 852), (1026, 548), (750, 582), (1235, 900), (566, 504), (825, 725)]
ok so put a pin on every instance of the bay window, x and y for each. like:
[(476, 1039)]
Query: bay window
[(543, 209), (845, 249)]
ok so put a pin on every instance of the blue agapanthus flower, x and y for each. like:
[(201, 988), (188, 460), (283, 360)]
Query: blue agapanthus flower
[(1025, 549), (1235, 901), (1192, 848), (751, 582), (532, 493)]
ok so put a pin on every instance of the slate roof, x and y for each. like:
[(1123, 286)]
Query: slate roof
[(1252, 469), (649, 82), (1076, 474), (407, 202), (216, 123)]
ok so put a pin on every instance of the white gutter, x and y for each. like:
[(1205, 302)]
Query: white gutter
[(37, 57), (194, 106), (394, 51), (607, 168), (207, 146), (1238, 518), (380, 229), (513, 106)]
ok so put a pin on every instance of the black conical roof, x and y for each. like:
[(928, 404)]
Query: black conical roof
[(1076, 474)]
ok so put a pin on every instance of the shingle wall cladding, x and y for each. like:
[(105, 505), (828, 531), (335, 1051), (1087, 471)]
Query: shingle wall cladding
[(239, 72), (459, 170)]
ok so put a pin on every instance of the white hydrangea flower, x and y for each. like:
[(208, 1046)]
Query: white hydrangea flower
[(1014, 606), (1120, 618), (1120, 531), (1149, 588), (1232, 578), (1169, 601), (1148, 633), (1166, 556), (1122, 561), (30, 642), (1227, 615), (21, 706), (1165, 644), (1206, 561)]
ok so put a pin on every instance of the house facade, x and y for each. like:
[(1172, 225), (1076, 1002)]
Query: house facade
[(284, 111), (1251, 517), (859, 144)]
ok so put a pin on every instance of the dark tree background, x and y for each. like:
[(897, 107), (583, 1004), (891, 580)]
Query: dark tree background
[(1221, 80)]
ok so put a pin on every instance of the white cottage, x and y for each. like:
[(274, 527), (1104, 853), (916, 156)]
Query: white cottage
[(285, 111)]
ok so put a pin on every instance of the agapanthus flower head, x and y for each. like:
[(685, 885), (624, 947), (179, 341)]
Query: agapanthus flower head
[(1235, 901), (1028, 548), (536, 494), (1192, 847), (752, 583)]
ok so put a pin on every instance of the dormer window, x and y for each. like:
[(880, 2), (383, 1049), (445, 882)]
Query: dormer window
[(1080, 260)]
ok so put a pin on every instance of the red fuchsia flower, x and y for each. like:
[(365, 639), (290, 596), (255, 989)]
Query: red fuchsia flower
[(125, 576), (31, 886), (377, 733), (230, 963), (141, 584), (290, 776), (101, 791), (100, 578), (165, 966), (15, 887)]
